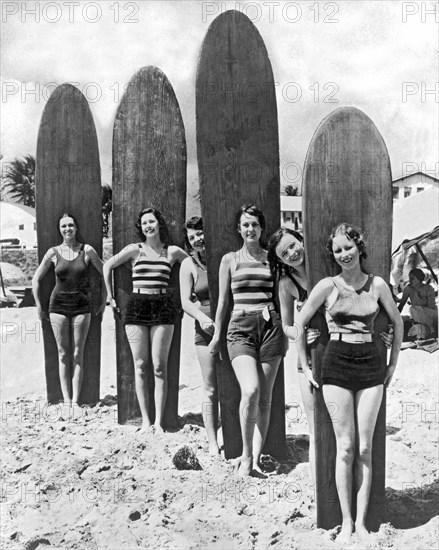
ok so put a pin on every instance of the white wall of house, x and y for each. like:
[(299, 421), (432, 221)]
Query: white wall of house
[(18, 222), (410, 185)]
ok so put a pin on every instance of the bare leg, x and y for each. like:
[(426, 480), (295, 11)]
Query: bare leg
[(367, 405), (138, 338), (308, 404), (161, 338), (61, 329), (343, 422), (246, 371), (210, 396), (81, 324), (267, 375)]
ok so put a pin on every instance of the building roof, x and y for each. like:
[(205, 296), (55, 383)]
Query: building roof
[(27, 209), (421, 174)]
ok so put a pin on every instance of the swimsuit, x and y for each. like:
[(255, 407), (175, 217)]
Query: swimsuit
[(70, 295), (344, 364), (201, 294)]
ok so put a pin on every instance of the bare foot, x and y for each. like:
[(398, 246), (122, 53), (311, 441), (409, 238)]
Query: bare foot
[(146, 425), (158, 429), (214, 449), (243, 466), (345, 535), (364, 536)]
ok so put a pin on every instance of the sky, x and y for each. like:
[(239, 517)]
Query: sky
[(379, 56)]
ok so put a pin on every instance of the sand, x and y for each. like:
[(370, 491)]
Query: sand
[(83, 481)]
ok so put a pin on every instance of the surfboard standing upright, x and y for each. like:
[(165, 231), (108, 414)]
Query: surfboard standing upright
[(347, 178), (238, 162), (68, 179), (149, 169)]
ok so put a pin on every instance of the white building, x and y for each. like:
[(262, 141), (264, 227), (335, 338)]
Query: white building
[(291, 211), (18, 222), (410, 185)]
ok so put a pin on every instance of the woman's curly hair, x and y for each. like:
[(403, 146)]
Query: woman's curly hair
[(352, 233), (277, 267), (163, 227)]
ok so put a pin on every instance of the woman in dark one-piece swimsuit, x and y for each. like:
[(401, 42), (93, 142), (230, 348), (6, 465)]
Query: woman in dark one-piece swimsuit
[(70, 305)]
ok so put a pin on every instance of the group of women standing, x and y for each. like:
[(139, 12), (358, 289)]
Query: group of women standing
[(255, 279)]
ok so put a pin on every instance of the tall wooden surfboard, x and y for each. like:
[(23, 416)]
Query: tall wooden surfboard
[(347, 178), (238, 162), (149, 169), (68, 179)]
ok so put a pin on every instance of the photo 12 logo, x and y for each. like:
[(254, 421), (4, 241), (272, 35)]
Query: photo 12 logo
[(72, 12)]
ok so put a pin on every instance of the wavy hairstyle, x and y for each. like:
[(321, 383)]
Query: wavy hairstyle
[(196, 222), (163, 227), (352, 233), (277, 267)]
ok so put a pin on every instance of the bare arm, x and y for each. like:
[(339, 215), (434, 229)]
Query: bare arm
[(97, 263), (43, 268), (431, 298), (186, 285), (318, 296), (404, 298), (223, 301), (176, 254), (386, 300), (127, 254)]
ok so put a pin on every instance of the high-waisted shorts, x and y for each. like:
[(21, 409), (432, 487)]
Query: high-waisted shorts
[(250, 334), (150, 309), (352, 366), (69, 304), (202, 338)]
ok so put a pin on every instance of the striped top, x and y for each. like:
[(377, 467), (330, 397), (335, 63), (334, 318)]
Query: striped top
[(252, 285), (151, 273)]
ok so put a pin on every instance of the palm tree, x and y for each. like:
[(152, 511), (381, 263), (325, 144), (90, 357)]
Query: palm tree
[(291, 191), (18, 180)]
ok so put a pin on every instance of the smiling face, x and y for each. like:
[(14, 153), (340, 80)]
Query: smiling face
[(290, 251), (250, 229), (149, 225), (67, 227), (345, 251), (196, 239)]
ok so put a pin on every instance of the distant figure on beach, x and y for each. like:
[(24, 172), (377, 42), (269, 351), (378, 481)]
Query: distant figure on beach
[(423, 309), (352, 375), (286, 256), (151, 309), (70, 303), (195, 301), (255, 339)]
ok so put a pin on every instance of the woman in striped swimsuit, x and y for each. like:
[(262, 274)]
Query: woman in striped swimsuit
[(255, 339), (150, 313)]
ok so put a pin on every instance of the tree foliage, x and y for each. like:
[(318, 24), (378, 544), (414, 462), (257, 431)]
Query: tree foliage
[(18, 180)]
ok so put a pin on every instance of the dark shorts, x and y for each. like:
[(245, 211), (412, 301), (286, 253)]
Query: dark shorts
[(202, 338), (352, 366), (250, 334), (69, 304), (150, 310)]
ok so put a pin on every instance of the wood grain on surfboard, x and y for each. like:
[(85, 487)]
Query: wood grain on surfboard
[(68, 180), (149, 169), (347, 178), (238, 162)]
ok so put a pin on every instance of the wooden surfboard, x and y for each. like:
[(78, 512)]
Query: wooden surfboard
[(347, 178), (68, 179), (149, 169), (238, 162)]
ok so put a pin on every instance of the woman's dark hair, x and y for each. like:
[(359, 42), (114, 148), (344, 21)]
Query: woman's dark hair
[(418, 273), (67, 215), (251, 210), (352, 233), (163, 228), (277, 267), (196, 222)]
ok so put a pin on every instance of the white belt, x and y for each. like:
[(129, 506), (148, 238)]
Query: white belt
[(352, 337), (150, 290)]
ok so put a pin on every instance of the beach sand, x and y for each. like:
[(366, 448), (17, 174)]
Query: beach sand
[(85, 482)]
